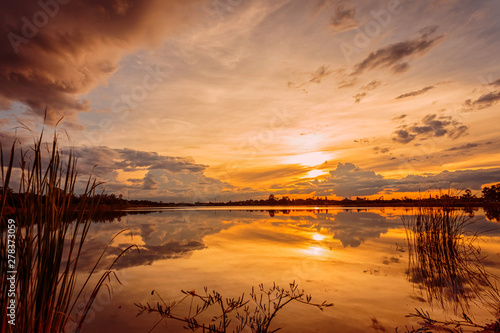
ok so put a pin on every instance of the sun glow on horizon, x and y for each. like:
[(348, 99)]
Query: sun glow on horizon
[(315, 251), (316, 173), (318, 237), (308, 159)]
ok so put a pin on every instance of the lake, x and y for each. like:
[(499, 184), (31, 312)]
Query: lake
[(356, 258)]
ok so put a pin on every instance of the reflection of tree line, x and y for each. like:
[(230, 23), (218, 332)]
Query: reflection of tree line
[(107, 216), (492, 213), (101, 216), (446, 263), (273, 212)]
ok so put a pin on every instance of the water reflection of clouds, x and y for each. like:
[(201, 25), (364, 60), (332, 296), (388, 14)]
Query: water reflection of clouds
[(159, 235), (151, 253), (350, 228), (176, 233), (353, 264)]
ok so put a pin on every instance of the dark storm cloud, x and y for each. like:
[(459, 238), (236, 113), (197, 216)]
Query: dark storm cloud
[(430, 126), (396, 55), (415, 93), (53, 51)]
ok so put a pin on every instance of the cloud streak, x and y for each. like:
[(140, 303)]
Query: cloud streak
[(314, 77), (396, 56), (483, 102), (344, 18), (431, 126), (363, 91), (415, 93)]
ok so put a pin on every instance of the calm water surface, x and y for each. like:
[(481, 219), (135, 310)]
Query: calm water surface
[(355, 258)]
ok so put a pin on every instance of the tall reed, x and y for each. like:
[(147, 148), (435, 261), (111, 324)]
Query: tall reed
[(446, 261), (52, 224)]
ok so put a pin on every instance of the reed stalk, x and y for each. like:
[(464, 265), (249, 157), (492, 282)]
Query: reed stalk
[(445, 260), (52, 223)]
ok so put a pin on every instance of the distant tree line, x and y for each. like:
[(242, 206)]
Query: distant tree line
[(490, 196), (492, 193)]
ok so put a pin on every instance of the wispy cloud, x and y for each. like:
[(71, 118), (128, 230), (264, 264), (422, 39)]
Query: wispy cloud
[(320, 74), (358, 97), (469, 146), (344, 17), (483, 102), (415, 93), (495, 83), (314, 77), (381, 150), (400, 117), (396, 56), (363, 91), (342, 13)]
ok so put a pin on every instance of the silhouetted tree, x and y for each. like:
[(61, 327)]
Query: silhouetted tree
[(492, 193), (467, 195)]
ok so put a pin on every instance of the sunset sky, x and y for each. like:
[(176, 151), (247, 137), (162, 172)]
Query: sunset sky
[(236, 99)]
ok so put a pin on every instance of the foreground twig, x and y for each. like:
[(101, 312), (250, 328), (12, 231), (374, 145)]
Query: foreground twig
[(267, 304)]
